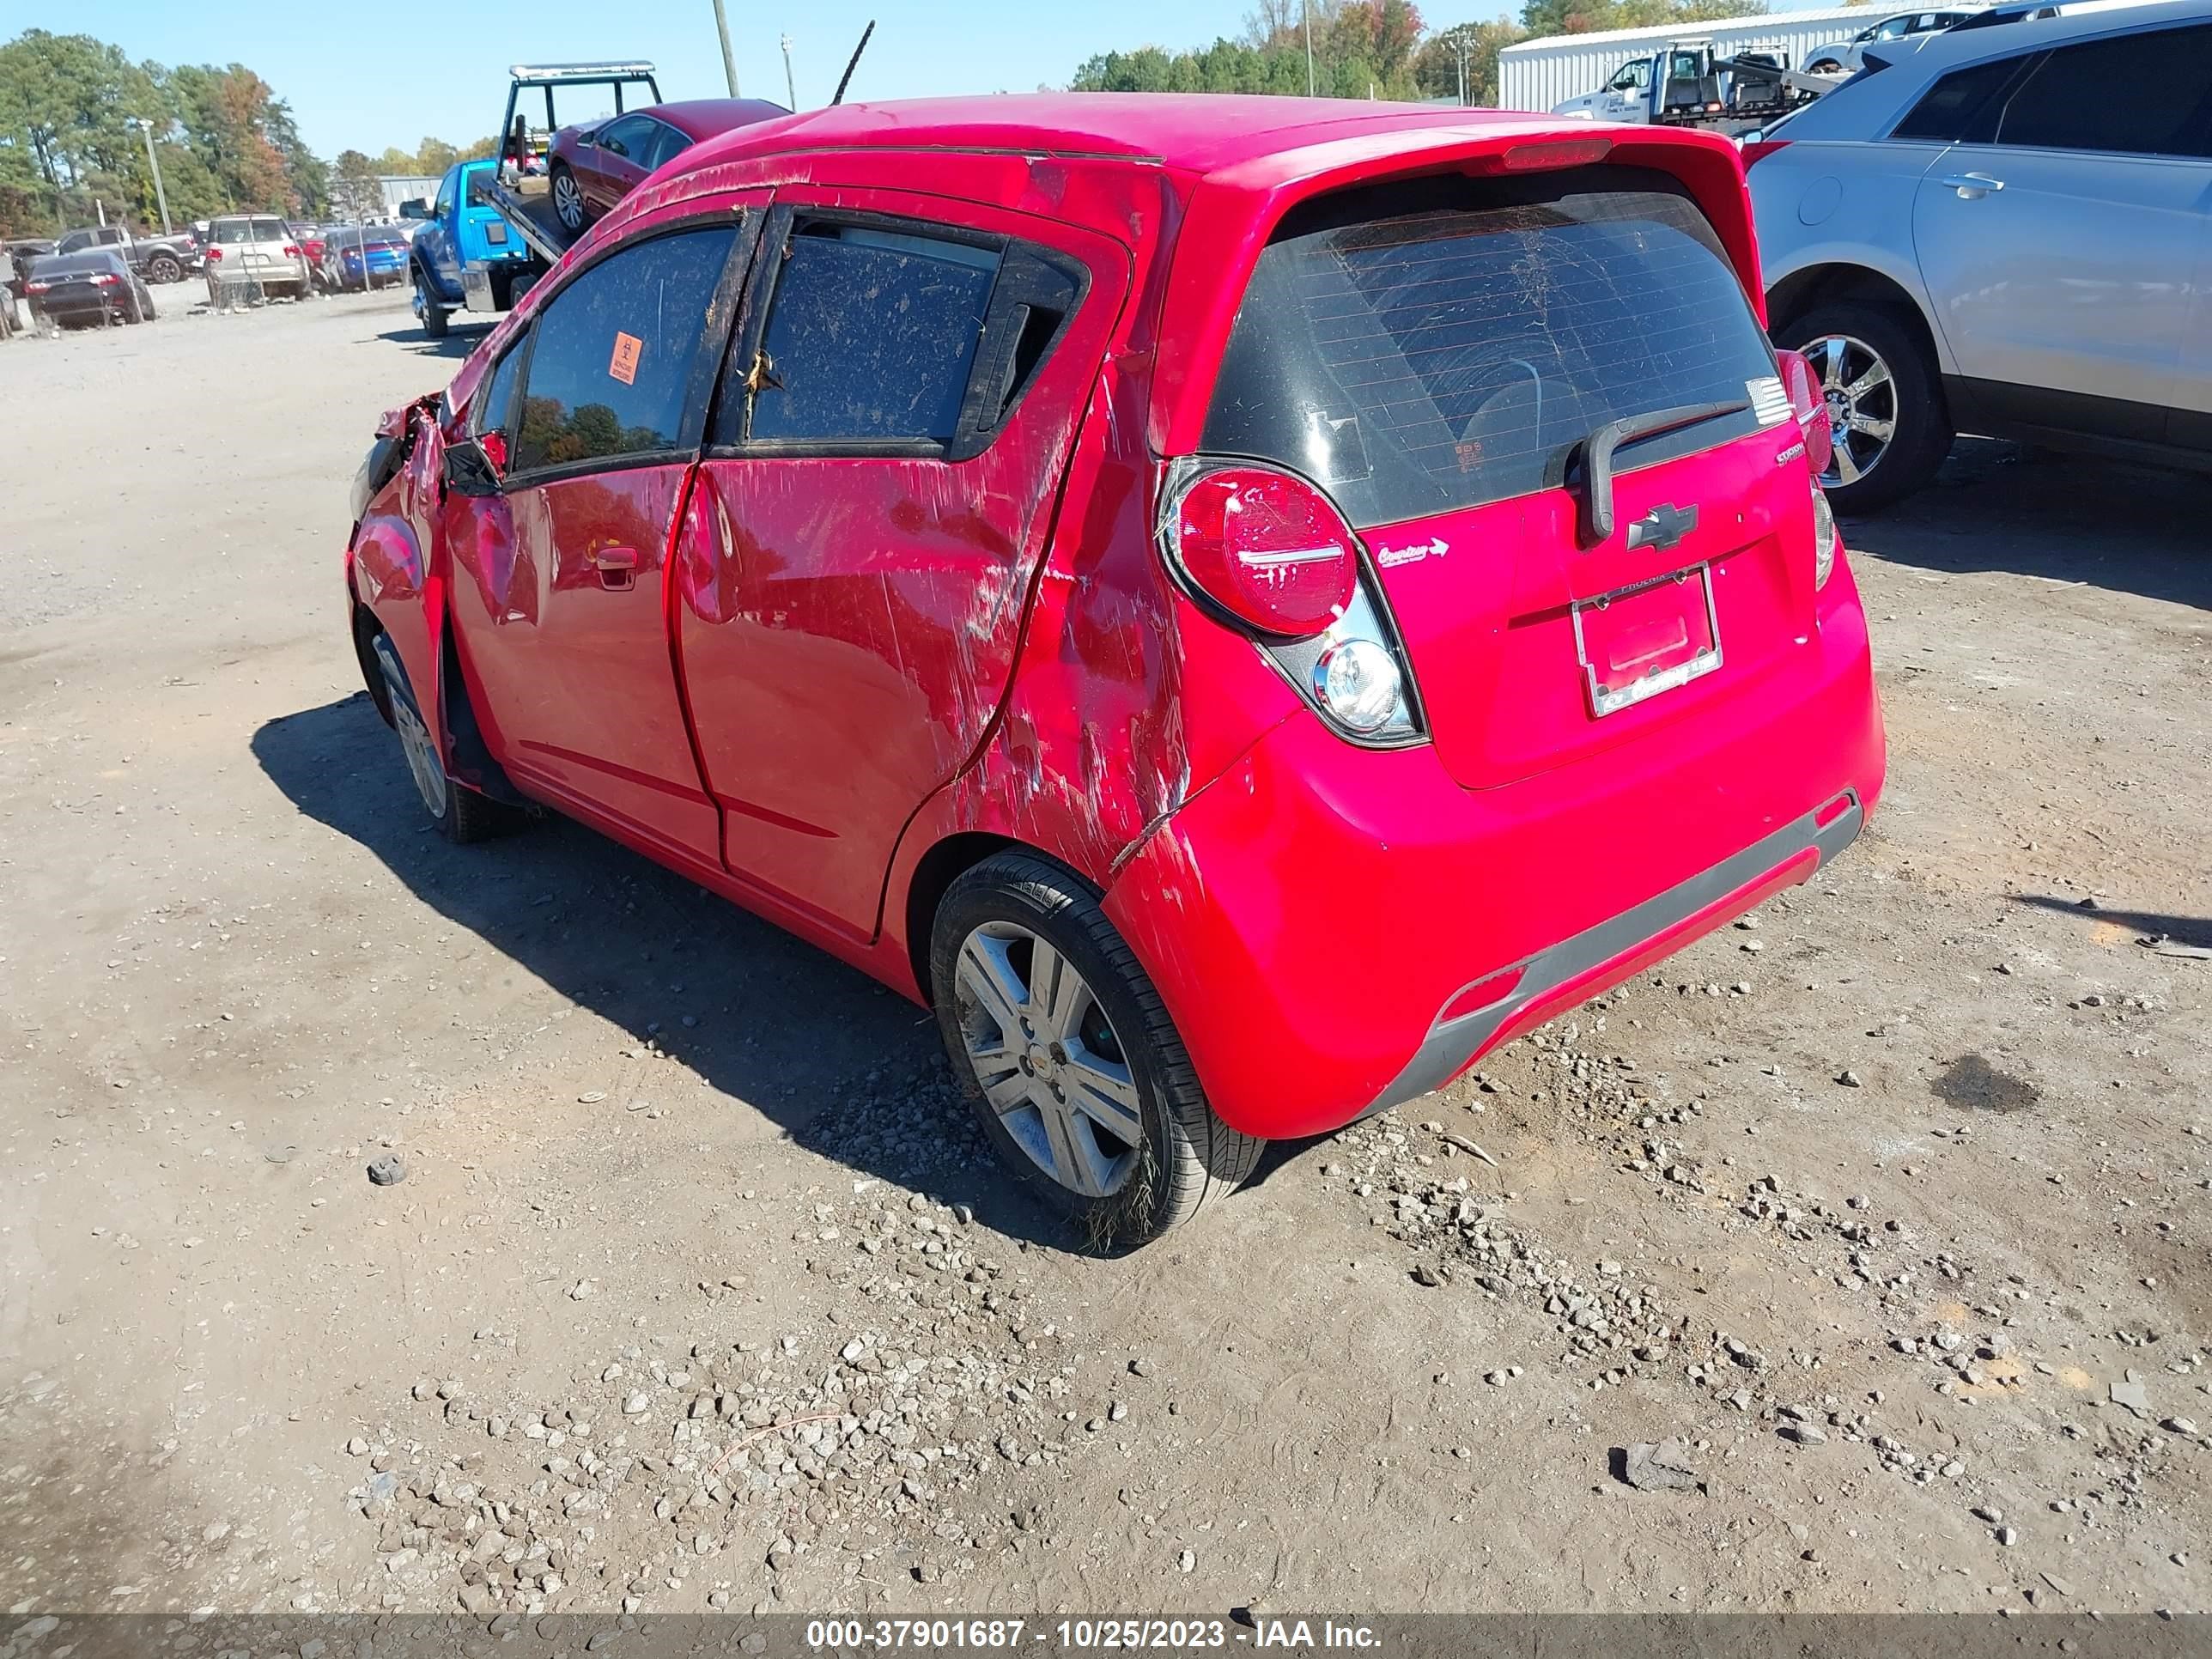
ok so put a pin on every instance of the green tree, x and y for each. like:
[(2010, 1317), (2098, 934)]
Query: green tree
[(434, 156), (1582, 16), (1436, 65)]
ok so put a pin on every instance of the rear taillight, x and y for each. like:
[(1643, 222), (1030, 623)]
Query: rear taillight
[(36, 287), (1810, 406), (214, 253), (290, 252), (1268, 553), (1265, 547), (1823, 537), (106, 279), (1759, 149)]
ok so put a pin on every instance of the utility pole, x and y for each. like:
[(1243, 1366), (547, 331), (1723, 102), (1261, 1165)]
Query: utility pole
[(1305, 12), (729, 58), (790, 87), (154, 161), (1459, 50)]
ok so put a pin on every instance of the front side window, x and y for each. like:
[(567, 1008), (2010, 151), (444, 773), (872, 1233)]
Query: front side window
[(1425, 347), (611, 369), (495, 404), (2139, 94), (446, 190), (872, 335), (629, 137)]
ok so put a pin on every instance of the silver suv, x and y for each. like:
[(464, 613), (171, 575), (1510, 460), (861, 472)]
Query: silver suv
[(2002, 228)]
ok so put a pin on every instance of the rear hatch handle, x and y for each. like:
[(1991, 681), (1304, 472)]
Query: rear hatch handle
[(1597, 455)]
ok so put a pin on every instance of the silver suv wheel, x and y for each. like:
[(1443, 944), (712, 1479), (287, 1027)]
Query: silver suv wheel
[(1048, 1059), (1862, 398)]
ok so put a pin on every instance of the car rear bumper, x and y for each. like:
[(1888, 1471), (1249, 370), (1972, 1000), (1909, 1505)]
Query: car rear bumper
[(1335, 931)]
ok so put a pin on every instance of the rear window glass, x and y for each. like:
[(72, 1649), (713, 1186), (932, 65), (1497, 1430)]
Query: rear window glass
[(1425, 354)]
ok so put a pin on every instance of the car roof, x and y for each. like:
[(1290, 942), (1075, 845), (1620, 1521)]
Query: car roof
[(1200, 132), (1901, 70), (705, 117), (1992, 32), (84, 260)]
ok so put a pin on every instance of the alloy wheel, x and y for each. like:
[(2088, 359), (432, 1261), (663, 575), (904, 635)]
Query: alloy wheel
[(1047, 1061), (423, 759), (1861, 399), (568, 201)]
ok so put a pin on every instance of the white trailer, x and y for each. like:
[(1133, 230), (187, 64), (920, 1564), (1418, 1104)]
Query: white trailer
[(1539, 74)]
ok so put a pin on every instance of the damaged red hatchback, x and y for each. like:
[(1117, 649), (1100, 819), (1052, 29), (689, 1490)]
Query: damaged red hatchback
[(1241, 605)]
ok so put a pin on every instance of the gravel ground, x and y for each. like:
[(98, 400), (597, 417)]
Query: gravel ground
[(386, 1225)]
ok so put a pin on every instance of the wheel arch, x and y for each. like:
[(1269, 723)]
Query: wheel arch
[(942, 863), (1816, 285)]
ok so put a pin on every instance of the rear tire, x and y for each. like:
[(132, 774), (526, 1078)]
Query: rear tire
[(1079, 1077), (162, 268), (432, 314), (461, 814), (1907, 397)]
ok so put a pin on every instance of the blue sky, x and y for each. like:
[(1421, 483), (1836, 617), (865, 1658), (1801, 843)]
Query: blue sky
[(362, 75)]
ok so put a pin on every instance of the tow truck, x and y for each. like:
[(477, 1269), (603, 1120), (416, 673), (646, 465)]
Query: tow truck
[(493, 232), (1689, 83)]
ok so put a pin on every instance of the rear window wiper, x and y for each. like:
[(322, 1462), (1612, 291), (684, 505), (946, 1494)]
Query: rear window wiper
[(1595, 453)]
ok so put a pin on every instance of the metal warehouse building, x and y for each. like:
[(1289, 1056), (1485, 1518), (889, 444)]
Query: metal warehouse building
[(1537, 74)]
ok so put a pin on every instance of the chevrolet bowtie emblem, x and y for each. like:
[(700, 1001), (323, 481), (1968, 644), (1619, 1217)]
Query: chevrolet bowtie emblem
[(1662, 527)]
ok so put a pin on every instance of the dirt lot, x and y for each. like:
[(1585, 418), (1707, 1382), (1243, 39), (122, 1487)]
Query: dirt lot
[(699, 1292)]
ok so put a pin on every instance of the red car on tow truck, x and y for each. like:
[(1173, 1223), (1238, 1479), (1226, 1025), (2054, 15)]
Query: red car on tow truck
[(1242, 606)]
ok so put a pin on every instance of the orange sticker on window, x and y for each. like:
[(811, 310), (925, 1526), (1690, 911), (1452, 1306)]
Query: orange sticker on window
[(624, 366)]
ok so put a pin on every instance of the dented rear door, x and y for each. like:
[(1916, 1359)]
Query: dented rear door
[(892, 426)]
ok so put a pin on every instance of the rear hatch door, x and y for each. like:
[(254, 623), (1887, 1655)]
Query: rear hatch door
[(1444, 356)]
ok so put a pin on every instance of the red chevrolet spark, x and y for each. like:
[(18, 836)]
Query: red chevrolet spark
[(1243, 605)]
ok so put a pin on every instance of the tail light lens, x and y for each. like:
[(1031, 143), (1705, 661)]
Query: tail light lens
[(1759, 149), (1265, 551), (106, 279), (213, 254), (290, 252), (1810, 407), (36, 287), (1265, 547), (1823, 537)]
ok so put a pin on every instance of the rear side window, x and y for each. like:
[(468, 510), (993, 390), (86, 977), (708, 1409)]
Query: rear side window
[(1961, 107), (2140, 95), (872, 337), (1432, 352), (611, 369)]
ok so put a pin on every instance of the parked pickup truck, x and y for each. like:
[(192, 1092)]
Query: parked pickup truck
[(157, 258), (462, 233)]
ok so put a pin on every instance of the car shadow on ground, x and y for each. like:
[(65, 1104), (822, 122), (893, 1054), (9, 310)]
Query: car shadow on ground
[(457, 344), (2194, 932), (2066, 519), (841, 1065)]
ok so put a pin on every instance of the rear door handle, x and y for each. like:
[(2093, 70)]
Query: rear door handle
[(617, 567), (1972, 186)]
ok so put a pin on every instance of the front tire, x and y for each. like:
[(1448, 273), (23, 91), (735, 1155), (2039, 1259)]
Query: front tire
[(1067, 1051), (568, 201), (461, 814), (1885, 402)]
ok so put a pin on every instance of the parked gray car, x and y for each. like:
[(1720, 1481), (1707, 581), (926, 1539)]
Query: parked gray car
[(1845, 56), (2002, 228)]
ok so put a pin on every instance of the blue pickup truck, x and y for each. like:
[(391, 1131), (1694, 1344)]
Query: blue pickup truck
[(463, 231)]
